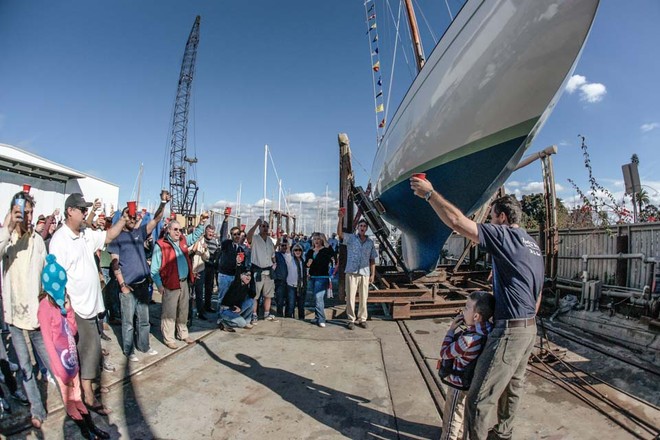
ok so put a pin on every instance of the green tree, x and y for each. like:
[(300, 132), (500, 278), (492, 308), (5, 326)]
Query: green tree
[(642, 198), (533, 207)]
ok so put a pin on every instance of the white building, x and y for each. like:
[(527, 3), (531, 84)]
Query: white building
[(51, 182)]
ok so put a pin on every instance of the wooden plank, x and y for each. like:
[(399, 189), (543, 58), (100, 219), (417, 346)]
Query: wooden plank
[(400, 310)]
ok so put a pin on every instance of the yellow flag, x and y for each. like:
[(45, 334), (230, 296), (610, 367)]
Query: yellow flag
[(380, 108)]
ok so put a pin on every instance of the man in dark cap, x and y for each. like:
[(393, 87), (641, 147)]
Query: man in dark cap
[(74, 246)]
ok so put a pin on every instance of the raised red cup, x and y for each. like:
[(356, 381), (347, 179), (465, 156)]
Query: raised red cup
[(243, 227), (240, 257), (132, 208), (228, 210), (343, 210), (26, 188), (421, 176), (173, 215)]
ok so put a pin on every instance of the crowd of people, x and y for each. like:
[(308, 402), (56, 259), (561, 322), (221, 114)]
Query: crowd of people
[(63, 279), (66, 278)]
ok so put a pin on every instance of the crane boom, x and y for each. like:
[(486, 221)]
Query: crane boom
[(183, 186)]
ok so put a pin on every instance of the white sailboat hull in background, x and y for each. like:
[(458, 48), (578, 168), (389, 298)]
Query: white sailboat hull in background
[(473, 110)]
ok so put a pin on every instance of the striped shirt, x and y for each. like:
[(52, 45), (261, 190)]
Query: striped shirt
[(464, 348)]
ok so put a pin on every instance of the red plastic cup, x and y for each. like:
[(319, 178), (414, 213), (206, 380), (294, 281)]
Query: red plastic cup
[(228, 210), (132, 208), (343, 210), (240, 257), (173, 215), (421, 176), (26, 188), (243, 227)]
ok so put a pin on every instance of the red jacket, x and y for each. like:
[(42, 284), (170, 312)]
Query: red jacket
[(169, 271)]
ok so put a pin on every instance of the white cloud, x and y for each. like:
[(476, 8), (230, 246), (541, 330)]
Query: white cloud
[(592, 92), (589, 92), (645, 127), (513, 184), (306, 197), (533, 187), (575, 82)]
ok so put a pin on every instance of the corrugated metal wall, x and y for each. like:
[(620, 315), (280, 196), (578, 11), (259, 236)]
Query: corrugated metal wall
[(643, 238)]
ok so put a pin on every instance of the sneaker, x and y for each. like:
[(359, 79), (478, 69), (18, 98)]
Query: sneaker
[(133, 358), (20, 397), (254, 320), (13, 367), (363, 324), (271, 318), (248, 326), (322, 324), (152, 352), (351, 325)]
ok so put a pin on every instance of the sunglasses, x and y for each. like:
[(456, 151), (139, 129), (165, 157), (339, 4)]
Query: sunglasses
[(176, 229), (236, 235), (297, 250), (82, 209)]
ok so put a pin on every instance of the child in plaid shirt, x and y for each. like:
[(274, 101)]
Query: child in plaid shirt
[(459, 353)]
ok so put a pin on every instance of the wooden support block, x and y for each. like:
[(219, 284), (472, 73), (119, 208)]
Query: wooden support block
[(400, 310)]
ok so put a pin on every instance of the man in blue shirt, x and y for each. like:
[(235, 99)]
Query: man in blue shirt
[(129, 263), (517, 282), (360, 269)]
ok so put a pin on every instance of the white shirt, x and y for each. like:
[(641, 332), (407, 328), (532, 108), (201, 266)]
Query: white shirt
[(262, 251), (76, 255), (292, 271)]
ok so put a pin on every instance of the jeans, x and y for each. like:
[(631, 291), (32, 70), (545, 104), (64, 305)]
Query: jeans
[(29, 380), (135, 310), (300, 295), (198, 291), (291, 302), (232, 319), (224, 281), (319, 286), (281, 296), (111, 300)]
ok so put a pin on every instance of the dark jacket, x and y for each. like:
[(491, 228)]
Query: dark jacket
[(227, 261), (237, 292), (281, 271)]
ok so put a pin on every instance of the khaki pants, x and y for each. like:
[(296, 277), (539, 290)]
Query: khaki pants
[(357, 284), (175, 313), (452, 417), (498, 382)]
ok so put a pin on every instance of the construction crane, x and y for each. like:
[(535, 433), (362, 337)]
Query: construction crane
[(183, 183)]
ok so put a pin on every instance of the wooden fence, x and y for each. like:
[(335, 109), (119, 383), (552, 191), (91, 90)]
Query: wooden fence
[(643, 238)]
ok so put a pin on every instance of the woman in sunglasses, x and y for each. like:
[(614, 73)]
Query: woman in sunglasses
[(318, 260)]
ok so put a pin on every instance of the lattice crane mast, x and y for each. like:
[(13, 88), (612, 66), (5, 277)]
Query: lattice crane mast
[(183, 184)]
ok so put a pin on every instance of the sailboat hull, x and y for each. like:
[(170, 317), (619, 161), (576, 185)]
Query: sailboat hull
[(474, 109)]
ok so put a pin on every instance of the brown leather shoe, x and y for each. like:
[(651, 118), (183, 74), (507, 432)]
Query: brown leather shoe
[(171, 345)]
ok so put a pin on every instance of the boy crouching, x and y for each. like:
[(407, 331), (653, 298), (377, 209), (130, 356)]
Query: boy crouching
[(459, 354)]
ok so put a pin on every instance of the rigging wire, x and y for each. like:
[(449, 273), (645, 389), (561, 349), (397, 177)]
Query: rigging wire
[(279, 189), (389, 87), (371, 59), (451, 17), (398, 37), (428, 25)]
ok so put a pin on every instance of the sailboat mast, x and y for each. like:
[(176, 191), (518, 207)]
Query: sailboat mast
[(414, 31), (137, 199)]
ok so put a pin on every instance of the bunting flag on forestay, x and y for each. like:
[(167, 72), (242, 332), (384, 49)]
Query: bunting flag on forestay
[(372, 32)]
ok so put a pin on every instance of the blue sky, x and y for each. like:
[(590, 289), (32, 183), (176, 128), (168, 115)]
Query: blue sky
[(91, 85)]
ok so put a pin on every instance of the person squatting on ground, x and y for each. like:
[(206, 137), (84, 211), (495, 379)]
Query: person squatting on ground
[(171, 271), (360, 269), (23, 252), (228, 256), (318, 261), (237, 304), (58, 328), (129, 265), (263, 250), (74, 246), (517, 282), (458, 358), (296, 282)]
